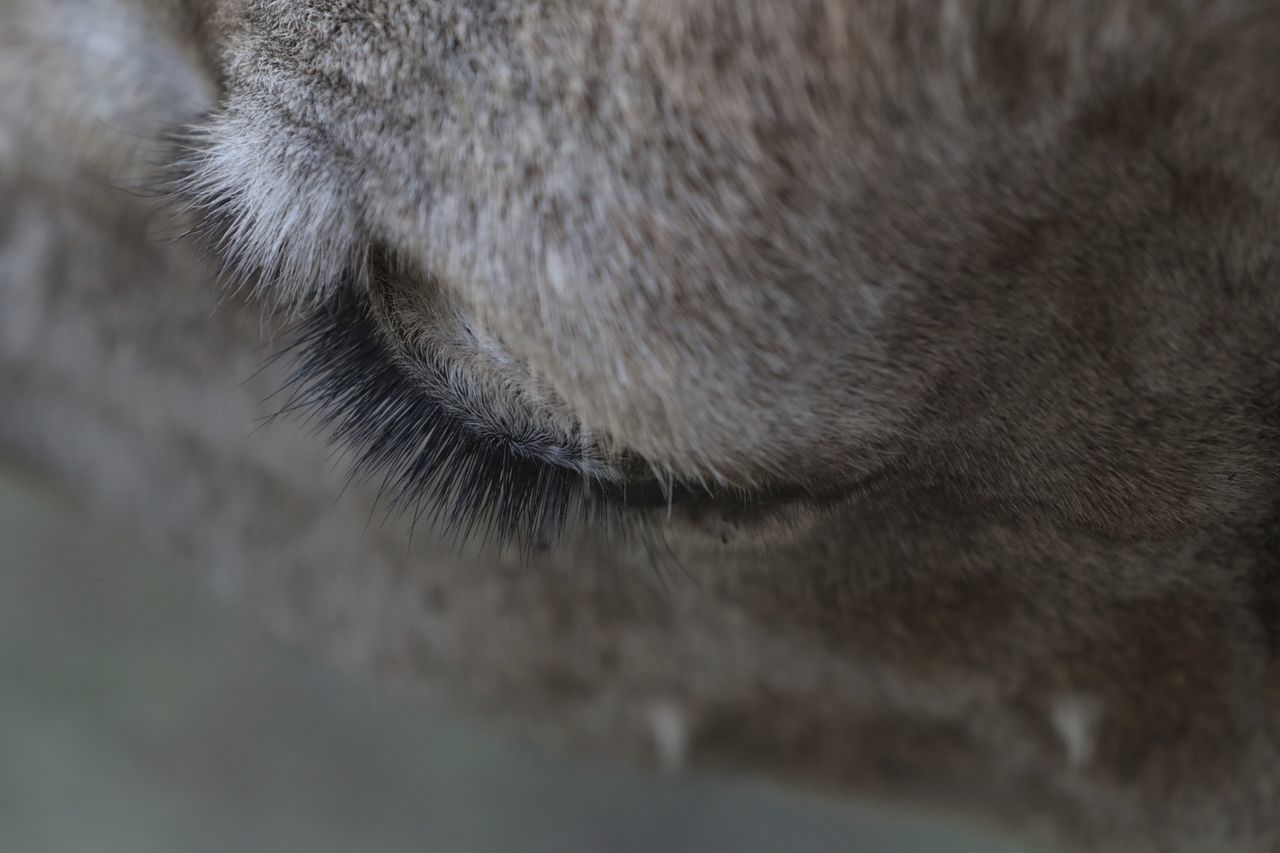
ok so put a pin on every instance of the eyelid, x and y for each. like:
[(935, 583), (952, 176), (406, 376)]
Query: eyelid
[(434, 464)]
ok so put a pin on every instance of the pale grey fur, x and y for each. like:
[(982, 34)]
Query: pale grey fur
[(997, 281)]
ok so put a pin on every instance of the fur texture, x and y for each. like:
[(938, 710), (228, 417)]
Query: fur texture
[(980, 296)]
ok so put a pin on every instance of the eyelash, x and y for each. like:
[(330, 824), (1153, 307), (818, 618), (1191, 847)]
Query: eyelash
[(469, 480), (496, 488)]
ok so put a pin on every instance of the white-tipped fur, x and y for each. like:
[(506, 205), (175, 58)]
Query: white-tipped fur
[(282, 221)]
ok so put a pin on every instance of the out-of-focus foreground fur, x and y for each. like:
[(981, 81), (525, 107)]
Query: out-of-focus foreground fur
[(990, 289)]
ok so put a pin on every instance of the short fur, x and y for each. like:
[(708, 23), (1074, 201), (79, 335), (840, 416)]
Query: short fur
[(987, 290)]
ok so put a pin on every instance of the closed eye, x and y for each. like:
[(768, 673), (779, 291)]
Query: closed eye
[(401, 417), (400, 414)]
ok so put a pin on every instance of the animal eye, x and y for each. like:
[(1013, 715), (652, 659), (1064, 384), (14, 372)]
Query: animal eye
[(441, 458), (445, 451), (396, 413)]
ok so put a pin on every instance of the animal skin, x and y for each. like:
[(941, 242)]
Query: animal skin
[(901, 376)]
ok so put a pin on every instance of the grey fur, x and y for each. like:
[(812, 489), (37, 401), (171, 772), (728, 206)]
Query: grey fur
[(997, 280)]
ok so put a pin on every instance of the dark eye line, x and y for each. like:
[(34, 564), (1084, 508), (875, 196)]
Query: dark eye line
[(519, 487)]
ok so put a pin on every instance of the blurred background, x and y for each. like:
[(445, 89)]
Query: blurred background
[(139, 714)]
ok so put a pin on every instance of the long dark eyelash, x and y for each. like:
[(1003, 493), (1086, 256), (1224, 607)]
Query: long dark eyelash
[(507, 482), (515, 486)]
